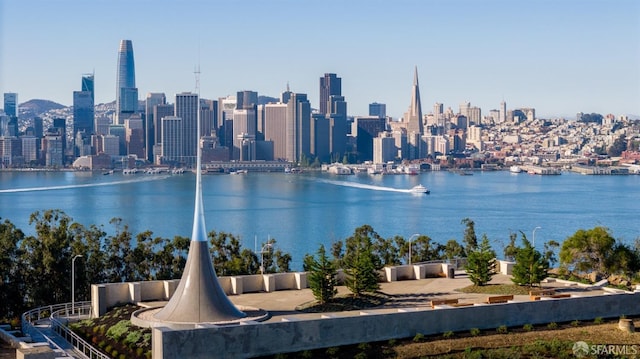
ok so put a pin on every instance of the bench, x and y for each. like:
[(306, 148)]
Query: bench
[(564, 295), (542, 292), (443, 302), (499, 299), (461, 304)]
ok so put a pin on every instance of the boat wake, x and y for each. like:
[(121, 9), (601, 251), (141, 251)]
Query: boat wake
[(366, 186), (100, 184)]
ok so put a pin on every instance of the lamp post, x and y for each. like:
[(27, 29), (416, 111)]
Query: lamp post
[(534, 236), (73, 283), (262, 252), (411, 244)]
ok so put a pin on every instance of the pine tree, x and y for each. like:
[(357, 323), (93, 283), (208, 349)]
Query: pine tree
[(481, 263), (360, 263), (531, 266), (322, 276)]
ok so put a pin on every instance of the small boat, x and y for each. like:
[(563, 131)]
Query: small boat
[(515, 169), (108, 173), (419, 189)]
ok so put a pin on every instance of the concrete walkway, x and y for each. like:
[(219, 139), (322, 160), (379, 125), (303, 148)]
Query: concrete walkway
[(403, 294)]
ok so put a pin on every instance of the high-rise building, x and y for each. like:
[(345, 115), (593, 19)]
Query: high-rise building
[(135, 136), (88, 84), (378, 109), (413, 120), (503, 112), (160, 111), (474, 115), (172, 146), (151, 101), (244, 129), (275, 120), (126, 91), (246, 100), (384, 148), (330, 85), (298, 127), (464, 109), (11, 104), (368, 128), (208, 117), (38, 127), (186, 107), (83, 112)]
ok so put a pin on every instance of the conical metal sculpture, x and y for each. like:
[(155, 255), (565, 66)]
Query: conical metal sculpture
[(199, 298)]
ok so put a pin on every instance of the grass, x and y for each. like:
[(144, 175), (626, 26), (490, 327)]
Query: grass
[(497, 289), (344, 303)]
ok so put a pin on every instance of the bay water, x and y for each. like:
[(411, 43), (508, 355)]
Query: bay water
[(302, 211)]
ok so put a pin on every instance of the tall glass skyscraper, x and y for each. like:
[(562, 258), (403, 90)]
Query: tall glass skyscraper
[(11, 104), (126, 91), (330, 85), (88, 85)]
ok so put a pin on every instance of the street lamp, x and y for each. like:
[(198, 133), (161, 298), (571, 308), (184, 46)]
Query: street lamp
[(262, 252), (411, 244), (534, 236), (73, 283)]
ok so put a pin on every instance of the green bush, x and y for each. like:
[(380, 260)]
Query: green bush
[(448, 334), (502, 329), (364, 346), (114, 353), (418, 337), (475, 332), (108, 349), (333, 351), (392, 342), (575, 323), (139, 351), (552, 325), (527, 327), (102, 344), (132, 338), (307, 354), (117, 331), (598, 320)]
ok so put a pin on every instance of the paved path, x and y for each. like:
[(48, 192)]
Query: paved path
[(403, 294)]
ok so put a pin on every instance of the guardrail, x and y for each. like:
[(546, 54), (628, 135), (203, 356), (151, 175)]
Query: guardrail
[(58, 316)]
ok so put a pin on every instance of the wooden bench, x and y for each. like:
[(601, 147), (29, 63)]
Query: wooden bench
[(563, 295), (461, 304), (542, 292), (443, 302), (499, 299)]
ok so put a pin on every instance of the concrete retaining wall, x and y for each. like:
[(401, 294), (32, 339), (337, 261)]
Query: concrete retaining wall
[(254, 339)]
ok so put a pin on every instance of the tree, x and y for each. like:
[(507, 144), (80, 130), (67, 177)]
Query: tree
[(453, 250), (118, 250), (481, 263), (588, 250), (511, 249), (618, 146), (361, 265), (322, 276), (422, 249), (531, 266), (470, 239), (11, 284), (386, 250)]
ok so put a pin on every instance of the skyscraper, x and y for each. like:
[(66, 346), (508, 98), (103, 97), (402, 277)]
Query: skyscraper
[(88, 84), (330, 85), (83, 120), (413, 120), (503, 112), (378, 109), (126, 91), (298, 127), (11, 104), (150, 138), (186, 107)]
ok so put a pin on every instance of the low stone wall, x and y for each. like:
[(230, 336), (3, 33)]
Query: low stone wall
[(292, 334)]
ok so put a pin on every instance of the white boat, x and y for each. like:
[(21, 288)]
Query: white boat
[(515, 169), (419, 189)]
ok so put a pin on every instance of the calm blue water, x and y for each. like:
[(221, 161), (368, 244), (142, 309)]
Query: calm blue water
[(306, 210)]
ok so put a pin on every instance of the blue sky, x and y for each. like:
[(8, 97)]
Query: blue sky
[(560, 56)]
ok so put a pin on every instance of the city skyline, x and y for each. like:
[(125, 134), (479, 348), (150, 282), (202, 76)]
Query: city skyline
[(560, 58)]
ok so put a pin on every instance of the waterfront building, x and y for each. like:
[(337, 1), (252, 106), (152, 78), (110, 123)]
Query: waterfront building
[(298, 127), (160, 111), (186, 108), (152, 100), (11, 104), (384, 148), (337, 115), (10, 150), (134, 133), (29, 148), (53, 147), (275, 119), (366, 130), (378, 109), (110, 145), (330, 85), (83, 122), (120, 132), (320, 137), (126, 91), (244, 129), (172, 149)]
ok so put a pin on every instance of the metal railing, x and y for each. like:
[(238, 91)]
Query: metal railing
[(58, 316)]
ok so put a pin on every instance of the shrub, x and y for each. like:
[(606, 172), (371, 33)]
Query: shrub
[(575, 323), (333, 351), (364, 346), (527, 327), (108, 349), (448, 334), (306, 354), (122, 356), (391, 342), (139, 351), (117, 331), (598, 320), (114, 353), (132, 338), (102, 344), (418, 337), (502, 329), (552, 325), (475, 332), (361, 355)]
